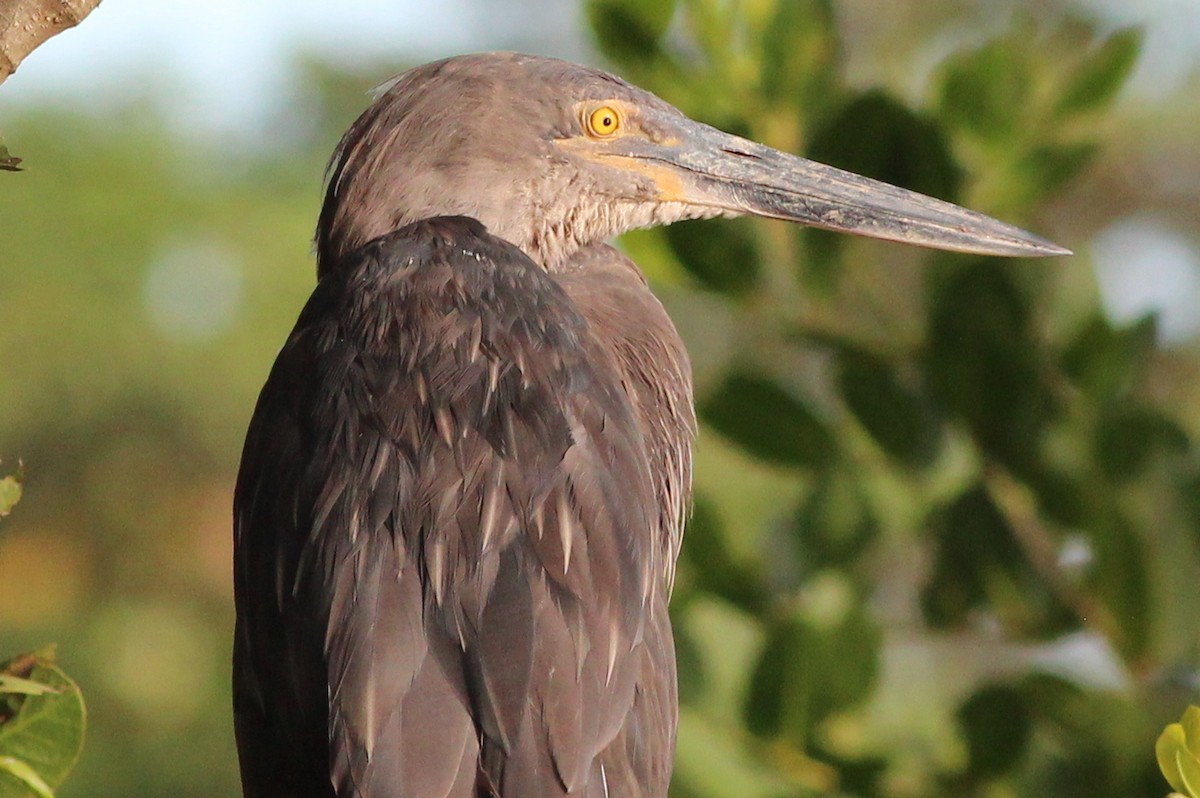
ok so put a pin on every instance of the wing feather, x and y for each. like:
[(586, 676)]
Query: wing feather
[(446, 544)]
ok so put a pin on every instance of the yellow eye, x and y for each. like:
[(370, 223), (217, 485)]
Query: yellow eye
[(604, 121)]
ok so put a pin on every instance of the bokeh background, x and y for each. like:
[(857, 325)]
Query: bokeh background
[(947, 534)]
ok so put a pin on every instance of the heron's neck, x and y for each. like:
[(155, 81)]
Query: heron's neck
[(559, 240)]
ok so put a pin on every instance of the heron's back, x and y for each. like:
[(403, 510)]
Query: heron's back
[(450, 566)]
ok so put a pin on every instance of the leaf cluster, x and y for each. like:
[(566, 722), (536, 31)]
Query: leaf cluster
[(941, 432), (42, 719)]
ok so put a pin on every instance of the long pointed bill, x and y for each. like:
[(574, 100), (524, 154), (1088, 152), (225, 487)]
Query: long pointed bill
[(707, 167)]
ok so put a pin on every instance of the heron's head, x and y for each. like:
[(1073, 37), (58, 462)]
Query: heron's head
[(554, 157)]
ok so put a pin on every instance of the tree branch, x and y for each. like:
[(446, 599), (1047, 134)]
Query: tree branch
[(25, 24)]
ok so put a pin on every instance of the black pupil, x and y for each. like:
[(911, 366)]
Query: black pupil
[(606, 121)]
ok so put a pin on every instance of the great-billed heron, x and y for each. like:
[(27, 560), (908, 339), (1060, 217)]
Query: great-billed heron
[(464, 486)]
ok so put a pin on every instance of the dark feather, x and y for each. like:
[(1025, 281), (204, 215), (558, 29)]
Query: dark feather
[(450, 570)]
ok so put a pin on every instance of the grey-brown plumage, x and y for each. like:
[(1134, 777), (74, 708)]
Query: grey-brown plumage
[(462, 493)]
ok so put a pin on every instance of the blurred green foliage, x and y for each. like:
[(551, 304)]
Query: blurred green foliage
[(948, 510), (1018, 462), (42, 714), (42, 719)]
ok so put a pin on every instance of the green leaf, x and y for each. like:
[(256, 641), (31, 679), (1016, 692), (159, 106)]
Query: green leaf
[(777, 703), (985, 361), (1190, 723), (851, 650), (1128, 436), (1045, 169), (1102, 74), (15, 684), (979, 564), (878, 136), (10, 493), (996, 724), (44, 731), (1107, 361), (1189, 771), (1169, 742), (984, 91), (822, 268), (628, 31), (1062, 496), (721, 254), (856, 775), (800, 54), (690, 664), (1092, 730), (26, 774), (835, 523), (711, 567), (1186, 489), (897, 417), (768, 422), (809, 668)]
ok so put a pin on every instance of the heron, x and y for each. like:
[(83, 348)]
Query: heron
[(464, 486)]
